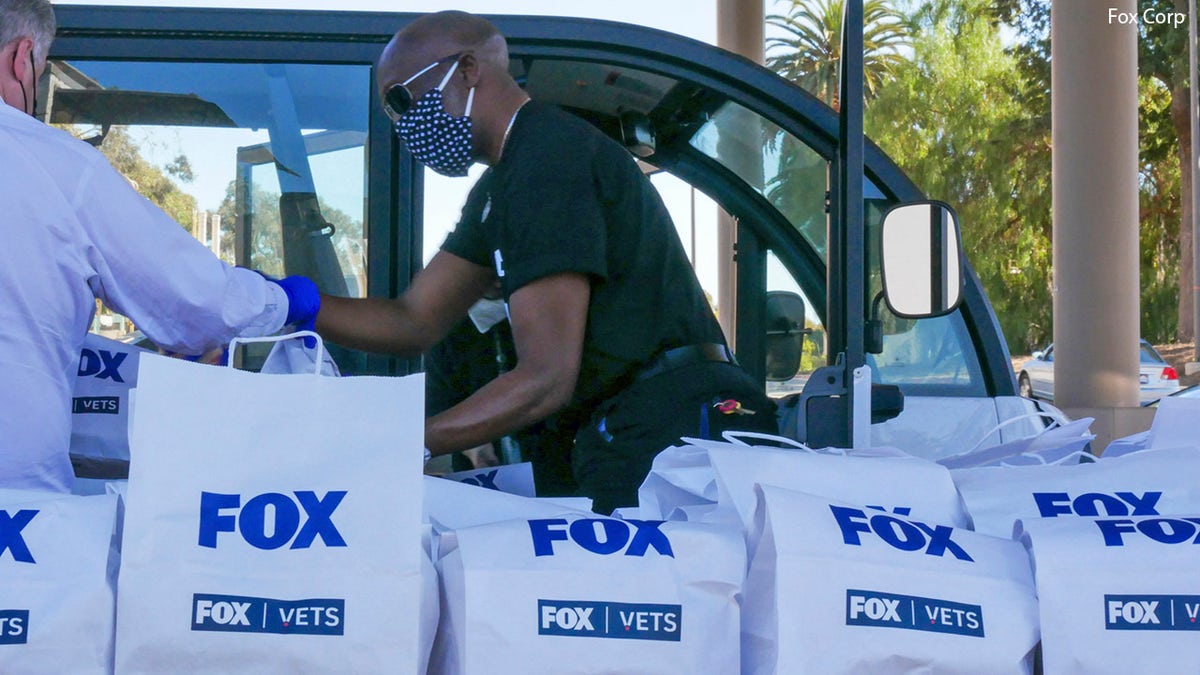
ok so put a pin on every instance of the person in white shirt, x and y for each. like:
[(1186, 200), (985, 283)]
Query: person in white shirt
[(72, 230)]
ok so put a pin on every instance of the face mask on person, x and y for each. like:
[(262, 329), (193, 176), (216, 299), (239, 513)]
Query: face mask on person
[(436, 138), (487, 313)]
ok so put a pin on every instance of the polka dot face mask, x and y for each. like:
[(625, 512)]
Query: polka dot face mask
[(436, 138)]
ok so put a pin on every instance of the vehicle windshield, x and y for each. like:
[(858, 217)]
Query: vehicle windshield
[(776, 164), (263, 163)]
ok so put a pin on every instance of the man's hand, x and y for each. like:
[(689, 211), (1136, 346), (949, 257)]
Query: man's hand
[(549, 319), (412, 323), (304, 300)]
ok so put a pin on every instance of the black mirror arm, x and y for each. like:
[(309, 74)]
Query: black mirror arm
[(873, 340)]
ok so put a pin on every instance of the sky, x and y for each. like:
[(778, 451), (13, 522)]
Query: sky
[(694, 18)]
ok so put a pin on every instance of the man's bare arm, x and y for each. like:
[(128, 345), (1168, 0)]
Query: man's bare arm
[(412, 323), (549, 318)]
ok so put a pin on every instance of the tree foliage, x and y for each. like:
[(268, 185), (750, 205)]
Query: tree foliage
[(151, 181), (266, 229), (966, 114), (1163, 58), (812, 49), (953, 120)]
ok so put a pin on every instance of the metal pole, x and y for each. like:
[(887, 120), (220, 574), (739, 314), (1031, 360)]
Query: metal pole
[(1095, 193), (1194, 109), (851, 244), (740, 26)]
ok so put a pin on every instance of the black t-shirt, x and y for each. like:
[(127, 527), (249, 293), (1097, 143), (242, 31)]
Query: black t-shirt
[(566, 198)]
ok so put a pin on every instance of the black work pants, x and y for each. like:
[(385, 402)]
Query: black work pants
[(615, 449)]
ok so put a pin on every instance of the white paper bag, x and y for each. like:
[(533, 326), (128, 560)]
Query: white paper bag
[(299, 353), (57, 581), (1150, 483), (108, 370), (585, 594), (1051, 445), (680, 484), (1176, 424), (272, 523), (450, 505), (516, 479), (430, 607), (834, 589), (1117, 595)]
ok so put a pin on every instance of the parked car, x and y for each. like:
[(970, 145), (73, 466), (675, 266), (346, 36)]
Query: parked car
[(1156, 377)]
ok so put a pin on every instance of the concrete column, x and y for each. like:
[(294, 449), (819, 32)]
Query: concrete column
[(740, 25), (1094, 103)]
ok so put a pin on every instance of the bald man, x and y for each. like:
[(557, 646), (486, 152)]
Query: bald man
[(611, 327)]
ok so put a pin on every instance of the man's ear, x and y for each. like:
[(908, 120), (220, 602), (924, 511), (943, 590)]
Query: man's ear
[(23, 59), (468, 69)]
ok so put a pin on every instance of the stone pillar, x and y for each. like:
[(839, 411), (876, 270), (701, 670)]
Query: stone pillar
[(740, 25), (1094, 103)]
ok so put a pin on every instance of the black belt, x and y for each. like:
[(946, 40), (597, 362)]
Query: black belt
[(686, 356)]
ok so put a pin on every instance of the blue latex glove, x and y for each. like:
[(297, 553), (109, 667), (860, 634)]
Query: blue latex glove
[(304, 302)]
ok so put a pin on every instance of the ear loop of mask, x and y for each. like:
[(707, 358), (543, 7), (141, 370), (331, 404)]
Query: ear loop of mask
[(421, 72), (470, 94), (33, 88), (24, 97)]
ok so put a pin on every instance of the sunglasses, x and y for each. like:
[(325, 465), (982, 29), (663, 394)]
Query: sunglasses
[(398, 99)]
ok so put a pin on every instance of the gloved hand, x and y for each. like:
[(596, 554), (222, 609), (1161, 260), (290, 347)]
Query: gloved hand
[(304, 303)]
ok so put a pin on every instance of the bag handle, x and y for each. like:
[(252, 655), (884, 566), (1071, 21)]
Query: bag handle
[(233, 345), (1061, 461), (1055, 422), (736, 437)]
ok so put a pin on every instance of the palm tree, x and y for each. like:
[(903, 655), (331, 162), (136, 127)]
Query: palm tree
[(810, 53)]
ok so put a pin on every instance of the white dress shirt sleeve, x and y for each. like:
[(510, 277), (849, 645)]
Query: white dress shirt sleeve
[(150, 269)]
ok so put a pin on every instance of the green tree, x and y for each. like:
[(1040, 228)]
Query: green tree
[(1164, 137), (948, 119), (152, 182), (1159, 205), (810, 52), (266, 229), (1163, 56)]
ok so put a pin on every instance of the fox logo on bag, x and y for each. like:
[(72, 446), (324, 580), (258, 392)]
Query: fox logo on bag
[(1161, 530), (1152, 612), (577, 618), (906, 535), (1054, 504), (102, 364), (14, 626), (251, 520), (888, 610), (602, 536), (10, 535), (239, 614)]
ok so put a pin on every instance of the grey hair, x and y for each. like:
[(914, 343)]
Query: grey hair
[(32, 19)]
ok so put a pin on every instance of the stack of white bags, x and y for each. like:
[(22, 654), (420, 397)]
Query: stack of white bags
[(261, 533)]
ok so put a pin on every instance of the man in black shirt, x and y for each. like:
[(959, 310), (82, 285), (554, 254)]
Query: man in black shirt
[(611, 327)]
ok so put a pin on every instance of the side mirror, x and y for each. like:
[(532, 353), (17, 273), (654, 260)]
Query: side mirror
[(785, 334), (1038, 356), (922, 260)]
